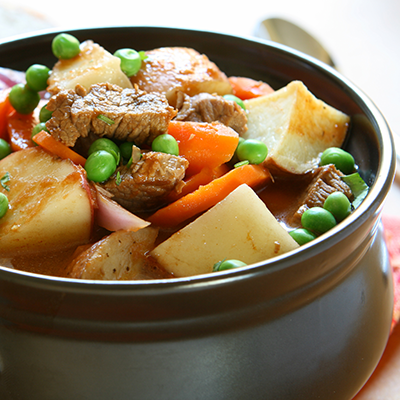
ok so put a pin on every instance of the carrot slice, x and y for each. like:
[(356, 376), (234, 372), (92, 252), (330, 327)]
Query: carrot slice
[(45, 140), (204, 144), (19, 128), (205, 176), (208, 195), (247, 88), (5, 109)]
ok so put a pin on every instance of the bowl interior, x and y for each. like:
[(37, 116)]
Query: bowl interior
[(369, 140)]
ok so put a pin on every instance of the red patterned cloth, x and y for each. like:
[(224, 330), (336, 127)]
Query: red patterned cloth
[(391, 227)]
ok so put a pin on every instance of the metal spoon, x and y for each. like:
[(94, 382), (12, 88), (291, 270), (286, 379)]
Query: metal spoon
[(285, 32)]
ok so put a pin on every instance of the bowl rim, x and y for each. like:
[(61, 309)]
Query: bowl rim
[(370, 207)]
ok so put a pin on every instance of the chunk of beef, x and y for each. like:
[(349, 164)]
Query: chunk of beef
[(110, 111), (144, 185), (205, 107), (327, 180)]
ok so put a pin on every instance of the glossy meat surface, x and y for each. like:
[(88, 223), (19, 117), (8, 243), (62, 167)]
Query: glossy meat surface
[(132, 114)]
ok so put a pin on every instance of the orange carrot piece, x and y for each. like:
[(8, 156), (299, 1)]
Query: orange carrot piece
[(205, 176), (247, 88), (204, 144), (208, 195), (46, 141), (19, 128), (5, 109)]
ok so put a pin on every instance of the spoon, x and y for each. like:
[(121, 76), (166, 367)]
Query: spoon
[(285, 32)]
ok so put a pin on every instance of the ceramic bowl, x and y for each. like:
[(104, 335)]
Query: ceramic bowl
[(311, 324)]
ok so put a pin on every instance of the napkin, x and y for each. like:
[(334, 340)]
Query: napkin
[(391, 229)]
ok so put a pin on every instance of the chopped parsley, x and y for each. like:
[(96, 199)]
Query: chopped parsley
[(143, 55), (4, 180), (358, 187), (241, 163), (217, 265), (129, 163), (105, 119), (118, 180)]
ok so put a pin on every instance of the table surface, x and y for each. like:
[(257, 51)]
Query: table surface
[(361, 35)]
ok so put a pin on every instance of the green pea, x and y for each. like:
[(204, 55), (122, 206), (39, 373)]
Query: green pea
[(36, 77), (239, 102), (23, 98), (228, 264), (339, 205), (65, 46), (106, 145), (165, 143), (318, 220), (100, 165), (252, 150), (235, 158), (44, 114), (126, 150), (3, 205), (342, 160), (241, 140), (131, 61), (5, 148), (302, 236)]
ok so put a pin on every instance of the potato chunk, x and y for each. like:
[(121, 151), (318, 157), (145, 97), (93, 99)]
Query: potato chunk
[(92, 65), (168, 70), (119, 256), (50, 203), (239, 227), (296, 127)]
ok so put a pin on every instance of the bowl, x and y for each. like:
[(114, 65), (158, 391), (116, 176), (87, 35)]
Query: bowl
[(310, 324)]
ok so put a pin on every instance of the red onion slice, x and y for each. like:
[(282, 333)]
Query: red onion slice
[(10, 77), (113, 217)]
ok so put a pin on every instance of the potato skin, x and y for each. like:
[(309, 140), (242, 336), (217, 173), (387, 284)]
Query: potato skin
[(122, 255), (171, 69)]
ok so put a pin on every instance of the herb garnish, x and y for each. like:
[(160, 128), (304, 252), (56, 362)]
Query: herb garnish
[(241, 163), (118, 180), (4, 180), (217, 265), (105, 119), (358, 187), (143, 55)]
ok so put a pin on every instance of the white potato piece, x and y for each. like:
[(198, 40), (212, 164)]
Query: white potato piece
[(168, 70), (92, 65), (296, 127), (50, 203), (122, 255), (239, 227)]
